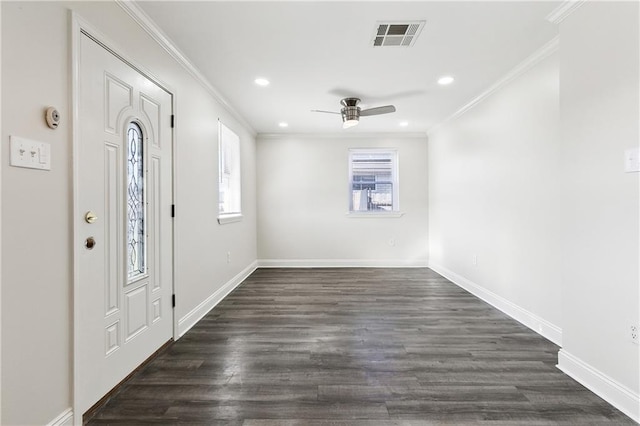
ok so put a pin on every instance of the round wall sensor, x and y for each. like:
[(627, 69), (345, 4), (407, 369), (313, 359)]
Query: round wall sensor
[(53, 117)]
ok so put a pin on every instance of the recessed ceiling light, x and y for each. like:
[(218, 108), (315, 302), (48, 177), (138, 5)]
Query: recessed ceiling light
[(283, 124), (403, 124), (261, 81), (447, 79)]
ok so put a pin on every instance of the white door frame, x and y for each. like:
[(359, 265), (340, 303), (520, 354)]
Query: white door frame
[(78, 27)]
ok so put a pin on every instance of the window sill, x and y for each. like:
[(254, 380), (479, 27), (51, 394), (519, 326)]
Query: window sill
[(229, 218), (375, 215)]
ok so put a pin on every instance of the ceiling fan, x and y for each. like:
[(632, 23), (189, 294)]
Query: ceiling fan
[(351, 112)]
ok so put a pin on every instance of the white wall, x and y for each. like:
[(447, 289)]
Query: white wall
[(493, 175), (599, 112), (303, 191), (201, 243), (37, 206), (532, 182), (36, 219)]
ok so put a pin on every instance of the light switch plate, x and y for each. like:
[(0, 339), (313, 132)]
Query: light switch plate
[(30, 154), (632, 160)]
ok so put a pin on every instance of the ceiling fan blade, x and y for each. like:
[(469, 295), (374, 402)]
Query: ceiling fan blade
[(378, 110), (326, 112)]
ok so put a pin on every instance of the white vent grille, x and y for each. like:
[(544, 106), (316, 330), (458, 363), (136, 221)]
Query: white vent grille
[(403, 34)]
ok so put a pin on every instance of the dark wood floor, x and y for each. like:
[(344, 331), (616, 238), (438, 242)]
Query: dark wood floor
[(356, 347)]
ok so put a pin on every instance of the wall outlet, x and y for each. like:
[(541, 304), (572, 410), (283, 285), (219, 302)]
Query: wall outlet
[(228, 257), (475, 260), (633, 334)]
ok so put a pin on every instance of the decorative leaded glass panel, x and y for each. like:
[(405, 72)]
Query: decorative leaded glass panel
[(135, 202)]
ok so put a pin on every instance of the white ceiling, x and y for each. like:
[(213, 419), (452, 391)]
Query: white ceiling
[(315, 53)]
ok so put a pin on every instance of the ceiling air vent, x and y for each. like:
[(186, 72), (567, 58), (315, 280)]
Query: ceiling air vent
[(403, 34)]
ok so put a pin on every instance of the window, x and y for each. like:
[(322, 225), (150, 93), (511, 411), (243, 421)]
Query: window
[(373, 181), (135, 203), (229, 174)]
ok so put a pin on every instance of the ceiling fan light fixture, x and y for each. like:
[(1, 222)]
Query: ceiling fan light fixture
[(350, 112), (350, 123)]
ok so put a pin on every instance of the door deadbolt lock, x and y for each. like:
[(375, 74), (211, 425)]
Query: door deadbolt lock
[(90, 243), (90, 217)]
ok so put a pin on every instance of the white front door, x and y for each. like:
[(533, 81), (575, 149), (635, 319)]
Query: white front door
[(124, 232)]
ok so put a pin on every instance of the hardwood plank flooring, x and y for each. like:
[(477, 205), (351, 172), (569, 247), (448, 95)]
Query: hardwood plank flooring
[(356, 347)]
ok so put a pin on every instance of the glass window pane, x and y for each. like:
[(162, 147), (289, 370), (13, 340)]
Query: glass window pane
[(376, 197), (135, 202), (372, 180), (229, 171)]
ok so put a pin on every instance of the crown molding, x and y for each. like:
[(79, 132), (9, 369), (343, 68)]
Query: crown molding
[(524, 66), (565, 9), (151, 28), (343, 136)]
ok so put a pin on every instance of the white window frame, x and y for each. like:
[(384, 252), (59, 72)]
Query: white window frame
[(228, 141), (395, 179)]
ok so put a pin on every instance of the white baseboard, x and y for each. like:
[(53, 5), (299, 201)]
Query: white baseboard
[(196, 314), (541, 326), (64, 419), (616, 394), (342, 263)]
